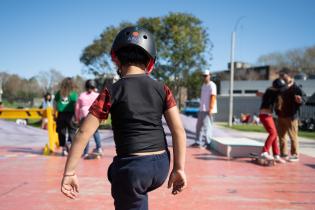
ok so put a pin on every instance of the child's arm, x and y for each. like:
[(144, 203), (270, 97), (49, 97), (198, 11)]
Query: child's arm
[(69, 184), (177, 177), (77, 110)]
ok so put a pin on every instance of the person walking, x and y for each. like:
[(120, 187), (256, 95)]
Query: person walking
[(136, 103), (83, 104), (208, 107), (291, 101), (64, 103), (266, 118)]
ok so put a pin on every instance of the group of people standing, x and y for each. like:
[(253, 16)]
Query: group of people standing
[(136, 104), (70, 110), (284, 99)]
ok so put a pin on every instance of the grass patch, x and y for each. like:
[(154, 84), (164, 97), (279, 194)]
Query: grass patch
[(34, 123), (307, 134), (248, 127), (260, 128)]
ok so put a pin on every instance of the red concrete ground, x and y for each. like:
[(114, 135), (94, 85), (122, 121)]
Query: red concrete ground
[(29, 180)]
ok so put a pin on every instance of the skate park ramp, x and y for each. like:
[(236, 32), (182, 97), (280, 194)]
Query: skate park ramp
[(232, 147)]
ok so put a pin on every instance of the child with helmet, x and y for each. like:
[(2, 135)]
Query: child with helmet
[(136, 103)]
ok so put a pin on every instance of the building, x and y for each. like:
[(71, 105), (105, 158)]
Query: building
[(250, 87), (244, 71), (248, 80)]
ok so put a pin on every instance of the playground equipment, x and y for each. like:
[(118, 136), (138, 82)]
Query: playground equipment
[(53, 142)]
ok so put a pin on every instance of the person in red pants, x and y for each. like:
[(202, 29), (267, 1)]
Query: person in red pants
[(266, 118)]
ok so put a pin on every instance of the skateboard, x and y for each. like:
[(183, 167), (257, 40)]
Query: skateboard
[(261, 161), (93, 155)]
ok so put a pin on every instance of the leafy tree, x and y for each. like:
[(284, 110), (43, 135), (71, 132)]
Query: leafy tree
[(19, 89), (96, 56), (183, 47), (11, 87), (194, 83)]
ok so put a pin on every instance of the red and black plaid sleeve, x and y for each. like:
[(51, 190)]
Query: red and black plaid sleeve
[(101, 106), (169, 99)]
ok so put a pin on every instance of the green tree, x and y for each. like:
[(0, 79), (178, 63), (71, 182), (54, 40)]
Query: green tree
[(11, 86), (96, 56), (19, 89), (183, 47), (194, 83)]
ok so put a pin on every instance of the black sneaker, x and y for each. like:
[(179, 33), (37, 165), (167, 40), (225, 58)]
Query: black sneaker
[(285, 157), (294, 158), (208, 146), (204, 146), (195, 145)]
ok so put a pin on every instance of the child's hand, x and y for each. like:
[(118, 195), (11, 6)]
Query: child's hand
[(178, 181), (70, 186)]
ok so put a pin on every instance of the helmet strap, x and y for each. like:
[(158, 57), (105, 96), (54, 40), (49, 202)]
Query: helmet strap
[(150, 66), (114, 58), (119, 73), (116, 61)]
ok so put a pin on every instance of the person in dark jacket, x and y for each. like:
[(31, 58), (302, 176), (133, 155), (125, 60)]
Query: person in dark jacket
[(288, 108), (266, 118)]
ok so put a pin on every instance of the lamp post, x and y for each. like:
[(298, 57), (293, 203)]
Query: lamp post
[(232, 70), (1, 91)]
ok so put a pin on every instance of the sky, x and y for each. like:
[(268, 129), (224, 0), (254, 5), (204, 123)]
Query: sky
[(39, 35)]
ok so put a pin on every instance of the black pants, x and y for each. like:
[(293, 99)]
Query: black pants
[(64, 125), (132, 177)]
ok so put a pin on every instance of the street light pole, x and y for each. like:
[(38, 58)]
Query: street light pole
[(232, 70), (231, 79), (1, 91)]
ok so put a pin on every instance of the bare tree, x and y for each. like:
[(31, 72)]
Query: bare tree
[(79, 83), (300, 60), (48, 80)]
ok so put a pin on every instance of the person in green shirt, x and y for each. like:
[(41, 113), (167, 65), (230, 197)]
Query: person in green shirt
[(64, 104)]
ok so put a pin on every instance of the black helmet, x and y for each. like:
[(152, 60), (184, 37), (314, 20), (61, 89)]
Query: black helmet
[(90, 84), (279, 84), (137, 36)]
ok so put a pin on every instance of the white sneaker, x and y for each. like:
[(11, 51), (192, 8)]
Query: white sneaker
[(278, 159), (85, 156), (266, 155), (98, 150), (64, 152)]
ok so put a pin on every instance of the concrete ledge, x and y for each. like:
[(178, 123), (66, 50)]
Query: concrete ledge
[(236, 147)]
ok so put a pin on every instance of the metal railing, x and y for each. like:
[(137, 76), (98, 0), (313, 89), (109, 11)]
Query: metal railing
[(53, 142)]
